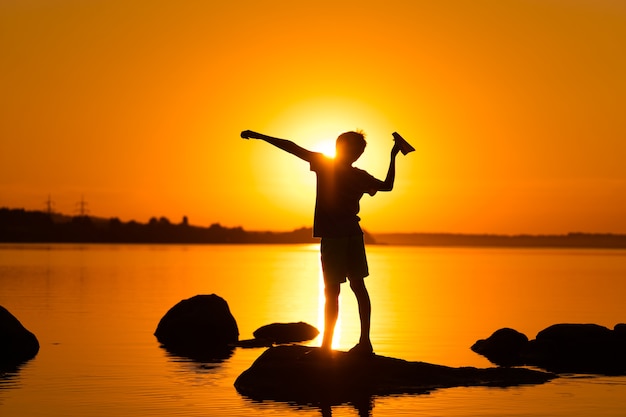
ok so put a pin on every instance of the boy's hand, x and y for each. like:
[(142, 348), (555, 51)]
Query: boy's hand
[(395, 150), (249, 134), (401, 143)]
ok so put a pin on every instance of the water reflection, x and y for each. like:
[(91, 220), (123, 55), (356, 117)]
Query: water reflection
[(9, 379), (212, 356), (197, 366), (363, 406)]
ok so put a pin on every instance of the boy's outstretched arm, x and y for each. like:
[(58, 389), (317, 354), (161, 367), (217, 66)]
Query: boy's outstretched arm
[(387, 185), (284, 144)]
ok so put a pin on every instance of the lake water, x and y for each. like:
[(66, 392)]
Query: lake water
[(94, 309)]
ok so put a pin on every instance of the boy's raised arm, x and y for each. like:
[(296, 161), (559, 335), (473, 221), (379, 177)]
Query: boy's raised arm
[(387, 185), (284, 144)]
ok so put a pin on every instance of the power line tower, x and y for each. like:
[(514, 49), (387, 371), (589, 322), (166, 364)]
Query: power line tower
[(49, 206), (81, 207)]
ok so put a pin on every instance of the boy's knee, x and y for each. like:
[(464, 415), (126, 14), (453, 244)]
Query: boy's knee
[(332, 290), (357, 284)]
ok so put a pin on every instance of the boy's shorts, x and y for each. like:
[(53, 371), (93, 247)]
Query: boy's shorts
[(343, 257)]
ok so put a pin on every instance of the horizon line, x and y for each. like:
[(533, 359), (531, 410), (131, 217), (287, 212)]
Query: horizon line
[(365, 230)]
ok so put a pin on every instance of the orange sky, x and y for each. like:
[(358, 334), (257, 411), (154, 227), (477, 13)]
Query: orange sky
[(516, 109)]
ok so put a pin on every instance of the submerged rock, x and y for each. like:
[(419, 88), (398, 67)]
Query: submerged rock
[(201, 327), (301, 374), (561, 348), (17, 344)]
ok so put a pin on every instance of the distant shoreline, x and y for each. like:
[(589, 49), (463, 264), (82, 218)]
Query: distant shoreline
[(21, 226), (570, 240)]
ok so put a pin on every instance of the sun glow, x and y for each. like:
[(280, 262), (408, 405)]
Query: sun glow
[(286, 185), (316, 123), (327, 148)]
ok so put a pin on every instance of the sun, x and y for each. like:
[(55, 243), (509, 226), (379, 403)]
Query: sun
[(325, 147), (316, 122)]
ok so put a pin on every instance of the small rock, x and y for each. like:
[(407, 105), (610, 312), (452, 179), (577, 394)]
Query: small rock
[(286, 332), (504, 347)]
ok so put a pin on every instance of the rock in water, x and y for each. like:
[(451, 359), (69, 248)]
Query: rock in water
[(579, 348), (286, 332), (17, 344), (300, 374), (560, 348), (504, 347), (197, 327)]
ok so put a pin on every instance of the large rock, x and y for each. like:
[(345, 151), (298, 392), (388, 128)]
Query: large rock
[(201, 327), (561, 348), (17, 344), (299, 374), (579, 348)]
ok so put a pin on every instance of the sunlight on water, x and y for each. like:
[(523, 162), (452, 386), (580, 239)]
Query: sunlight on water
[(441, 301), (94, 309)]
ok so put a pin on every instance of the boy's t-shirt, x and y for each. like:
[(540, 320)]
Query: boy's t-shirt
[(339, 189)]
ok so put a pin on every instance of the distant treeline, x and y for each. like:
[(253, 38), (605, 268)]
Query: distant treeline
[(18, 225), (21, 226)]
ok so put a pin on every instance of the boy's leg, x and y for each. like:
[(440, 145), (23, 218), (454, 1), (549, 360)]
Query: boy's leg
[(333, 251), (358, 270), (331, 312), (365, 309)]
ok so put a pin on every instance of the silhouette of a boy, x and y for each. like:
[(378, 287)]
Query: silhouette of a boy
[(340, 187)]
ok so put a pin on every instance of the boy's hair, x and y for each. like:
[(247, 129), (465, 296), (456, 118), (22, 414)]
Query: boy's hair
[(353, 140)]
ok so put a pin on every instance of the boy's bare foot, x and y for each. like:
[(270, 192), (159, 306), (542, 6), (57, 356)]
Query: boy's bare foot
[(362, 349)]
